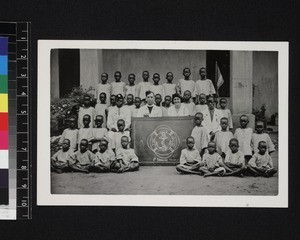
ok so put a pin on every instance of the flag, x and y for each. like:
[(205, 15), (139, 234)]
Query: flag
[(219, 77)]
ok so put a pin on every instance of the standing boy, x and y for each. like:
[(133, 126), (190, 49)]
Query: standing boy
[(223, 137), (85, 132), (118, 113), (166, 105), (86, 109), (70, 133), (137, 103), (188, 103), (144, 86), (100, 108), (131, 88), (261, 136), (201, 103), (186, 83), (98, 133), (204, 85), (156, 88), (103, 87), (116, 141), (118, 87), (244, 135), (226, 112), (200, 134), (169, 86)]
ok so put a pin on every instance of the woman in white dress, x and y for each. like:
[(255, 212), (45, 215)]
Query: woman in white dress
[(177, 109)]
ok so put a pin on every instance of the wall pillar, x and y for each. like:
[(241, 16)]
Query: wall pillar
[(89, 69), (241, 77)]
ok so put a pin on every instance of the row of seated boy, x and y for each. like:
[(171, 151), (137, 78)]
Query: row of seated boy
[(122, 160), (203, 85), (212, 164)]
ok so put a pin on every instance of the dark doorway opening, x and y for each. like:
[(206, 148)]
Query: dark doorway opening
[(69, 70), (223, 60)]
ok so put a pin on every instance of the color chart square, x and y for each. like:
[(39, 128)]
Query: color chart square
[(3, 65), (4, 103), (4, 45), (4, 159), (3, 121), (4, 140), (3, 84)]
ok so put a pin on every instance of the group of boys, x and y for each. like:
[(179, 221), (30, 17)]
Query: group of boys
[(103, 136), (225, 154)]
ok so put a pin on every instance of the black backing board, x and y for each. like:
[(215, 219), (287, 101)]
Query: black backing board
[(163, 20)]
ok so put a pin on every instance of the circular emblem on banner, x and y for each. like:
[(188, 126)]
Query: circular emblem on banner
[(163, 141)]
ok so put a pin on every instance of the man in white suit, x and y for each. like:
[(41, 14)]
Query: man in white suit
[(150, 109), (211, 118)]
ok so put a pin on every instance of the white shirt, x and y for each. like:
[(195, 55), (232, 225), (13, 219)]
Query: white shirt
[(244, 135), (158, 89), (186, 85), (156, 111), (118, 113), (212, 125), (200, 135), (256, 138), (183, 111), (235, 158), (204, 86), (118, 88), (189, 156), (100, 110), (106, 88), (131, 90), (200, 108), (72, 135), (227, 113), (191, 107), (143, 87), (222, 141), (170, 89), (83, 111), (127, 155)]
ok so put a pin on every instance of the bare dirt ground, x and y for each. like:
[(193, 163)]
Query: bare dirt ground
[(162, 180)]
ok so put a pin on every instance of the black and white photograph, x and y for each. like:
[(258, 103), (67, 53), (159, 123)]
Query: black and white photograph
[(163, 123)]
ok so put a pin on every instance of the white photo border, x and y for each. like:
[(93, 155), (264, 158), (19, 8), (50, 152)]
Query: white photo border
[(44, 196)]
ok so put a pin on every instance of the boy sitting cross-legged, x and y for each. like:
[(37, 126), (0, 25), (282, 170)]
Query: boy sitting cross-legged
[(261, 163), (126, 158), (60, 160), (213, 163), (190, 160), (234, 160), (104, 157)]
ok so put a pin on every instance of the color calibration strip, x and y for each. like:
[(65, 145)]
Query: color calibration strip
[(17, 85), (4, 160)]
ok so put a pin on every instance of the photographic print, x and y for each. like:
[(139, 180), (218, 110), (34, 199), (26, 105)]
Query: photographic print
[(162, 123)]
